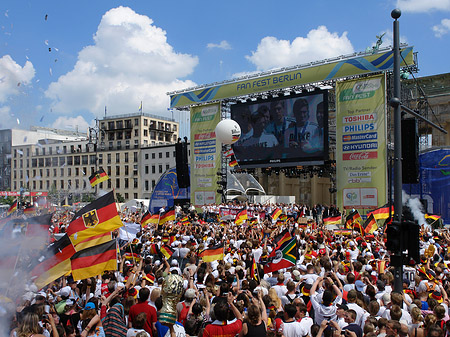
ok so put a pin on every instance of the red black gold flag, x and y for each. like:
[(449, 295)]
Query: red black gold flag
[(149, 218), (169, 215), (212, 254), (12, 208), (166, 251), (240, 217), (352, 218), (53, 263), (282, 238), (370, 225), (233, 162), (98, 177), (334, 220), (381, 213), (94, 260), (276, 213), (254, 270), (30, 210), (94, 220)]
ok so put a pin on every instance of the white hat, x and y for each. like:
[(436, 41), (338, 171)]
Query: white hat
[(302, 267), (296, 274), (351, 243), (174, 263), (65, 291), (157, 263), (368, 267)]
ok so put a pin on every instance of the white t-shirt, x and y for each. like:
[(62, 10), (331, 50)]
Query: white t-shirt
[(132, 332)]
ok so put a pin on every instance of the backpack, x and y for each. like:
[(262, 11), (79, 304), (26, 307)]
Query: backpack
[(183, 314)]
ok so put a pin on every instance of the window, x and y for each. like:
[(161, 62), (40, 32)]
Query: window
[(100, 159), (117, 183), (50, 150), (70, 160), (119, 124), (135, 157), (126, 170), (108, 158), (145, 122), (54, 172), (136, 143), (117, 157), (135, 195), (174, 154), (109, 183), (153, 169), (135, 170), (119, 145), (64, 149), (127, 144), (69, 172), (36, 152), (146, 156), (47, 171), (146, 169), (126, 196), (153, 155), (92, 160), (126, 182), (47, 184), (146, 185), (136, 132), (43, 151), (136, 121), (160, 155), (153, 183), (108, 170), (61, 184), (110, 125), (126, 157), (76, 160), (117, 170), (77, 171), (62, 161), (61, 172), (84, 160), (160, 169), (174, 127), (135, 183), (167, 167), (167, 155), (110, 145)]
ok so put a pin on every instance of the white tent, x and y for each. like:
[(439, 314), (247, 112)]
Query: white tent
[(134, 204)]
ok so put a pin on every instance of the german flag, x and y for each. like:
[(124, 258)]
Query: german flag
[(432, 217), (254, 270), (282, 238), (94, 241), (342, 231), (53, 263), (153, 249), (98, 177), (148, 218), (276, 213), (37, 235), (166, 251), (169, 215), (352, 218), (212, 254), (332, 220), (233, 162), (370, 225), (240, 217), (381, 213), (98, 218), (12, 208), (29, 210), (94, 260)]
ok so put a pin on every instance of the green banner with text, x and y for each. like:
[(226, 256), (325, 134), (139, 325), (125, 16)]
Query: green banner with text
[(366, 64), (361, 158), (205, 155)]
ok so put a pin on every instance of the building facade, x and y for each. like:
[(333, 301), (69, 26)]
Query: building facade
[(63, 167)]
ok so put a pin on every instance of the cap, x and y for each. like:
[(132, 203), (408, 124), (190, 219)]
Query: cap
[(296, 274), (437, 296), (343, 306), (359, 285), (89, 306), (65, 291), (174, 263)]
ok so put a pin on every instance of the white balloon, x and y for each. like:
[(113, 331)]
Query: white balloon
[(228, 131)]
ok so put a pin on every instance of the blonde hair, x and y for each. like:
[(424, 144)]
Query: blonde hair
[(29, 325), (274, 297)]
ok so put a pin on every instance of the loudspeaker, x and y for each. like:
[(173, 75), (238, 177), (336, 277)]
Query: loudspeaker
[(410, 152), (181, 160)]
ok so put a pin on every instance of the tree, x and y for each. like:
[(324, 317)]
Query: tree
[(119, 198)]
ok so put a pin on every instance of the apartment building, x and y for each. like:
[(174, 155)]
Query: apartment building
[(115, 145)]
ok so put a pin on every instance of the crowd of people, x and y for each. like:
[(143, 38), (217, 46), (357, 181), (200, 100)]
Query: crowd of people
[(336, 284)]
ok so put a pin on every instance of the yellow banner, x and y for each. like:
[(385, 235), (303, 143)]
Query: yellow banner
[(302, 75), (205, 155), (361, 143)]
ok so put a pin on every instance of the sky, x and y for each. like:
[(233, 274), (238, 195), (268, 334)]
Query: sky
[(63, 62)]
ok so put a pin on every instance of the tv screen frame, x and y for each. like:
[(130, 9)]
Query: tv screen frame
[(296, 139)]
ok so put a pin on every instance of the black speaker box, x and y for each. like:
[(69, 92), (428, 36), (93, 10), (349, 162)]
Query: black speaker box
[(410, 152), (181, 160)]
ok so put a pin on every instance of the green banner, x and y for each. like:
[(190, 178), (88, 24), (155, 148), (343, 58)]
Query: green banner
[(302, 75), (361, 143), (205, 155)]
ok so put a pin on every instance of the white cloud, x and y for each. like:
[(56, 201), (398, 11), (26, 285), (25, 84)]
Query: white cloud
[(319, 44), (13, 77), (71, 123), (8, 119), (423, 6), (222, 45), (129, 62), (442, 29)]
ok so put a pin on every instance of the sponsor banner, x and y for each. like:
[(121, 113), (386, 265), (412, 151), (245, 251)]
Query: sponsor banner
[(361, 143), (366, 64), (25, 194), (359, 137), (205, 155)]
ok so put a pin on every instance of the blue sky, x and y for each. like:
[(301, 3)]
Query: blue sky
[(62, 62)]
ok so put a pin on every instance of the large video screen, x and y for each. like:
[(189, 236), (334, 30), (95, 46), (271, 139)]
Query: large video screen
[(284, 131)]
